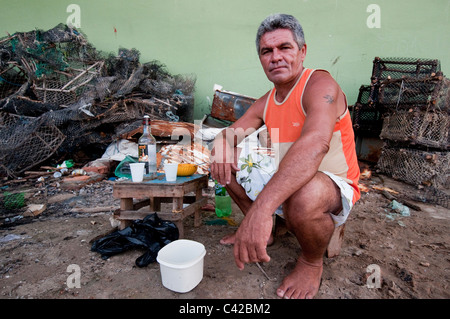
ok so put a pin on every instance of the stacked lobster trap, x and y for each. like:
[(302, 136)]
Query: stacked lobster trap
[(408, 107)]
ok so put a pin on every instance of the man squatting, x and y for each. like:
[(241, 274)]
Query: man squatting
[(316, 173)]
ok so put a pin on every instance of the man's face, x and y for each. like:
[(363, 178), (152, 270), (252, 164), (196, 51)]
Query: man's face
[(280, 56)]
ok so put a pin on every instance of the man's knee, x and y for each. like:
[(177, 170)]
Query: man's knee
[(318, 197)]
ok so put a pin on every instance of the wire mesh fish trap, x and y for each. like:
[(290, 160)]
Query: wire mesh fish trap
[(367, 120), (431, 92), (430, 129), (416, 167), (367, 95), (399, 67), (433, 195), (367, 115), (65, 88), (25, 142)]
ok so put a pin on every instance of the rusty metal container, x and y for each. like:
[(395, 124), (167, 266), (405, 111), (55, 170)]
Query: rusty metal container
[(230, 106)]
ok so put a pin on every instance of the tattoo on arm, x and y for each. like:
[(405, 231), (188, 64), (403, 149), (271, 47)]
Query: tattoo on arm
[(329, 99)]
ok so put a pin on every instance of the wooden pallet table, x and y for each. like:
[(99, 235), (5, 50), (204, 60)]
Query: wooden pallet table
[(134, 196)]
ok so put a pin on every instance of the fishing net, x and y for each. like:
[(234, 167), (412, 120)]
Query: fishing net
[(59, 94)]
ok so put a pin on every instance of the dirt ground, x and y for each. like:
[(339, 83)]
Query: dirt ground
[(412, 253)]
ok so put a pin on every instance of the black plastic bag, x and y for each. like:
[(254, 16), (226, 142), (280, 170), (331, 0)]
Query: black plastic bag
[(151, 233)]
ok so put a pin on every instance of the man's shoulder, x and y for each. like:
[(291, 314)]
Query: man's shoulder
[(260, 103), (323, 89), (322, 76), (321, 80)]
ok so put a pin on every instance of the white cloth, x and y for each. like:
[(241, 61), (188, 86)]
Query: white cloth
[(118, 150)]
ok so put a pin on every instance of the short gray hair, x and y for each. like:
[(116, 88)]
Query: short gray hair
[(281, 21)]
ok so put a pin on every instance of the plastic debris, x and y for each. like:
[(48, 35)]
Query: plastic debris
[(150, 233), (400, 208)]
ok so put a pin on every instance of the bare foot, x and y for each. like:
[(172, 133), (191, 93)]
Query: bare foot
[(303, 282), (229, 240), (209, 207)]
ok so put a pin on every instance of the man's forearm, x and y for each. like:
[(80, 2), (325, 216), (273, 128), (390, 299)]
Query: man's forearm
[(296, 169), (227, 134), (234, 135)]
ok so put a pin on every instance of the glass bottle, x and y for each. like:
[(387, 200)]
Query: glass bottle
[(147, 149)]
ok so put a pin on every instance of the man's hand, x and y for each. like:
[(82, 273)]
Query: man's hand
[(223, 161), (251, 240)]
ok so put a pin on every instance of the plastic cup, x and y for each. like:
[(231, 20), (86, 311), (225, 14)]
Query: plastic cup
[(137, 172), (171, 171)]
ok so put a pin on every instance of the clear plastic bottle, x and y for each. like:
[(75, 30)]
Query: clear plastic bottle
[(222, 201), (147, 149)]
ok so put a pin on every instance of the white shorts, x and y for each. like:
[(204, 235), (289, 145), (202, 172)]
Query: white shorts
[(257, 168)]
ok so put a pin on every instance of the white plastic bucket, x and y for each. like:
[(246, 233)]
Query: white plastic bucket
[(181, 264)]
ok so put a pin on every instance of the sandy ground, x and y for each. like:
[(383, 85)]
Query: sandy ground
[(412, 253)]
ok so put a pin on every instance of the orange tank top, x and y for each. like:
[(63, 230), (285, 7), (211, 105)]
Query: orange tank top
[(285, 120)]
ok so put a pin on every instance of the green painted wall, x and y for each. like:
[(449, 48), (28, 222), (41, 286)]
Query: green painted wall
[(215, 39)]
